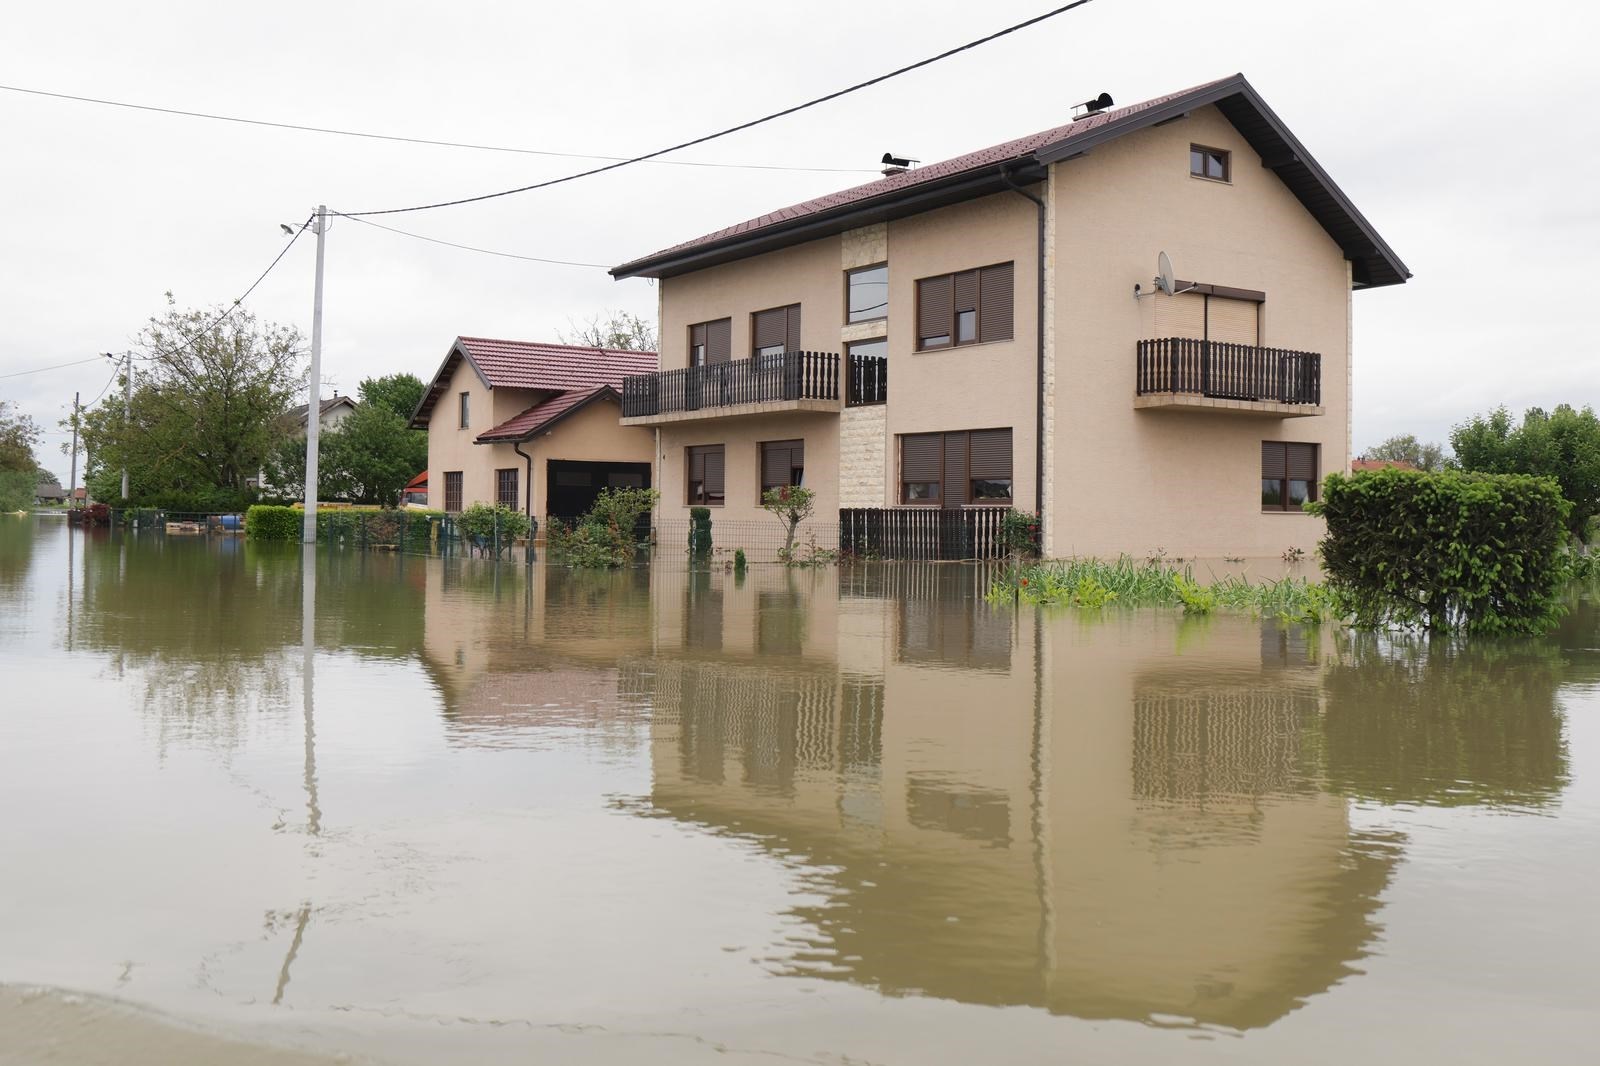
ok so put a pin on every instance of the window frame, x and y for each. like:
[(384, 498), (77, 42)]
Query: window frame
[(1284, 506), (850, 274), (791, 445), (1205, 151), (689, 453), (464, 409), (943, 480), (453, 485), (500, 479), (953, 334)]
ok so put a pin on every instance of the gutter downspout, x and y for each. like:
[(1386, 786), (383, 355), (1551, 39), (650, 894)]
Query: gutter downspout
[(533, 533), (1038, 468)]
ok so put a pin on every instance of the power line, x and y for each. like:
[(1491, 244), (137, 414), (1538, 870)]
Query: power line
[(735, 129), (103, 389), (57, 366), (410, 140), (468, 247)]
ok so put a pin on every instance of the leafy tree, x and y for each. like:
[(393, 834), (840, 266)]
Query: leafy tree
[(792, 505), (1564, 445), (372, 454), (207, 408), (612, 329), (399, 393), (1406, 448), (19, 435)]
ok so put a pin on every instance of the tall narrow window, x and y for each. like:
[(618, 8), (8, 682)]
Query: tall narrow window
[(711, 342), (1288, 475), (505, 487), (704, 464), (972, 307), (969, 467), (775, 331), (452, 491), (867, 293), (466, 409), (1210, 163), (783, 462)]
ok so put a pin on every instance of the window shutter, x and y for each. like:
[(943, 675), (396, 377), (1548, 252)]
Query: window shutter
[(991, 453), (697, 335), (995, 300), (956, 488), (934, 317), (777, 459), (719, 340), (1301, 461), (1274, 461), (697, 464), (770, 328), (1181, 316), (1231, 321), (966, 287), (920, 457), (791, 340), (713, 478)]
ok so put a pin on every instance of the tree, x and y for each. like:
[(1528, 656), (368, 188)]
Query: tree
[(400, 393), (19, 435), (611, 329), (373, 453), (207, 407), (1406, 448), (1563, 445), (793, 505)]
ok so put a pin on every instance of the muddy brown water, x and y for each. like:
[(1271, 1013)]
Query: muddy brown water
[(443, 811)]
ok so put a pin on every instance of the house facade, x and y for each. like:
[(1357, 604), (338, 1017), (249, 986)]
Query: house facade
[(986, 332), (531, 426)]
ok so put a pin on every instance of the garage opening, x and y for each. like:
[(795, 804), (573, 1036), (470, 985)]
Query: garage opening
[(572, 486)]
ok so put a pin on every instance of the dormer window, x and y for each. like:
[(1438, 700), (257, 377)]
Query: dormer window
[(1209, 163)]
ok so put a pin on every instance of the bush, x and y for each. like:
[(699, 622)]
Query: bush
[(700, 532), (492, 526), (1019, 532), (608, 535), (1480, 553), (266, 522), (792, 505), (17, 488)]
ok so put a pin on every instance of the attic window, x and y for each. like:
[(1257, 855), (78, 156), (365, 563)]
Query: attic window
[(1209, 163)]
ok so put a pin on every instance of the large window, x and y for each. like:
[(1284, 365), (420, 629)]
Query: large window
[(711, 342), (972, 307), (970, 467), (1210, 163), (452, 490), (705, 466), (466, 409), (775, 331), (867, 293), (505, 487), (783, 462), (1288, 475)]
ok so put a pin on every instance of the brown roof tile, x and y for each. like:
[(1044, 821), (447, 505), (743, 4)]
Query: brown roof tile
[(507, 364), (524, 425)]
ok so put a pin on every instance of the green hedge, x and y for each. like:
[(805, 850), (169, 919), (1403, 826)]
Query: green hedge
[(1480, 553), (266, 522), (389, 526)]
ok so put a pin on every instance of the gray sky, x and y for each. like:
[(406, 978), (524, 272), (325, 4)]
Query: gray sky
[(1463, 131)]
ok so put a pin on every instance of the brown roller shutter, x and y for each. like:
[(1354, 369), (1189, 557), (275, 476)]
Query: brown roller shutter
[(719, 340), (1231, 321), (956, 488), (966, 288), (779, 460), (1301, 460), (791, 338), (770, 328), (713, 472), (934, 317), (1274, 463), (1181, 316), (920, 456), (991, 453), (697, 335), (995, 299)]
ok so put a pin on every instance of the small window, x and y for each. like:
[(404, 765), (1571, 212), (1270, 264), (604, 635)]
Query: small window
[(775, 331), (711, 342), (783, 462), (466, 414), (972, 307), (505, 487), (452, 489), (705, 468), (1288, 475), (1209, 163), (969, 467), (867, 293)]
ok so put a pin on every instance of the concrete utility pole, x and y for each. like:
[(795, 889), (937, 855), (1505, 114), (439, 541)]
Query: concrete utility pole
[(314, 399), (72, 488), (127, 409)]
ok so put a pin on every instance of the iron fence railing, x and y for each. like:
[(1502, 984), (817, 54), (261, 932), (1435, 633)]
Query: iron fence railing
[(759, 379), (1229, 371)]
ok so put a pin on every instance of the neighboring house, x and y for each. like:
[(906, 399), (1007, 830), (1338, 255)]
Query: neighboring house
[(966, 334), (531, 426), (416, 491), (49, 490), (334, 410), (1358, 465)]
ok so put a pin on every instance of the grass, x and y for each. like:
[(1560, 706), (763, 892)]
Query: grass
[(1092, 584)]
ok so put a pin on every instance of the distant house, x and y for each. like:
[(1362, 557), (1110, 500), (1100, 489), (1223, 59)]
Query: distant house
[(49, 490), (1358, 465), (416, 491), (334, 411), (532, 426)]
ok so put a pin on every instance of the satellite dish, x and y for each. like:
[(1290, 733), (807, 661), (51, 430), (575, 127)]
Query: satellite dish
[(1163, 277)]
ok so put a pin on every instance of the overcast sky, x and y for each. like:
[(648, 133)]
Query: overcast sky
[(1464, 131)]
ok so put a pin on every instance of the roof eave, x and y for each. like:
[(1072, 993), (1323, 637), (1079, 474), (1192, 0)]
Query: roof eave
[(439, 381), (603, 392)]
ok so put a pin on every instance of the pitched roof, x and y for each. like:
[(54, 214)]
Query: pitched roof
[(502, 364), (1023, 161), (543, 414), (418, 482), (299, 410)]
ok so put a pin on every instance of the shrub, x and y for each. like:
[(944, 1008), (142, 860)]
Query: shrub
[(792, 505), (739, 561), (608, 535), (266, 522), (699, 532), (1019, 533), (492, 526), (1481, 553)]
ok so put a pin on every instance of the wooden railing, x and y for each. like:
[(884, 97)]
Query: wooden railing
[(949, 533), (868, 380), (1229, 371), (759, 379)]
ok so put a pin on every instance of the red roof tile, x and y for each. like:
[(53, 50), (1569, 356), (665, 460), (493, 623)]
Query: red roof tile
[(418, 482), (540, 415), (531, 365)]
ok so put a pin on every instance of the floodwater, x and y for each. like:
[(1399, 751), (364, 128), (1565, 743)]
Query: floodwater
[(443, 811)]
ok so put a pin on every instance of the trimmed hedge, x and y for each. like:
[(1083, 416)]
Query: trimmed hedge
[(1479, 553), (266, 522), (271, 522)]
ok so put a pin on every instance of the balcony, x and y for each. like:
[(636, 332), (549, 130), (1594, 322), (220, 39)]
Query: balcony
[(1181, 373), (763, 384)]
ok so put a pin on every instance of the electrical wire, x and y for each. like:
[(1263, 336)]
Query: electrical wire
[(468, 247), (57, 366), (648, 156), (103, 389), (411, 140)]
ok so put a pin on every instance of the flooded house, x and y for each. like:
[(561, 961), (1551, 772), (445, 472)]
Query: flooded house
[(1137, 324)]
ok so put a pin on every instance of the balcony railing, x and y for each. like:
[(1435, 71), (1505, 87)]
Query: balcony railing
[(759, 379), (868, 380), (1229, 371)]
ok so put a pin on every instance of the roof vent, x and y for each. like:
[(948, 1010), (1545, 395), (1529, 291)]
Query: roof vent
[(1091, 108), (893, 164)]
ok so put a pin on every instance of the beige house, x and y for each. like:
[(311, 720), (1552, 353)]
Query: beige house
[(986, 332), (531, 426)]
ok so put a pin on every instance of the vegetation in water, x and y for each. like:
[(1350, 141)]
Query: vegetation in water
[(607, 536), (700, 533), (1563, 445), (792, 505)]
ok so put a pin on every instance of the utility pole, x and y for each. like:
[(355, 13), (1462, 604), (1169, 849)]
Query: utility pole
[(314, 399), (72, 489), (127, 410)]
